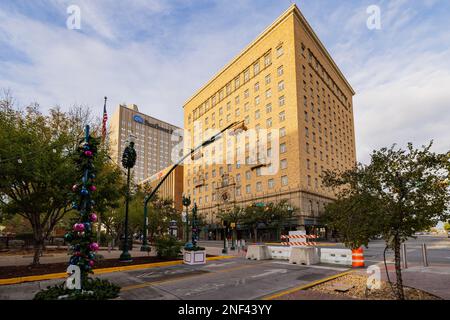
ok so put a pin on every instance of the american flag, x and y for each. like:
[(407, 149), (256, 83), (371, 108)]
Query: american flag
[(105, 119)]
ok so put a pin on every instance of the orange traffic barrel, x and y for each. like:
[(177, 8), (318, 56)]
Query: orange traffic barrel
[(358, 258)]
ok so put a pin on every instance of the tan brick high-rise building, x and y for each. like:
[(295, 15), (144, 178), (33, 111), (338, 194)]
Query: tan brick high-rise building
[(154, 140), (285, 81)]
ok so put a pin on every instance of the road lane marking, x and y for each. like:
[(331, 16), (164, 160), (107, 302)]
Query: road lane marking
[(215, 265), (151, 283), (269, 272)]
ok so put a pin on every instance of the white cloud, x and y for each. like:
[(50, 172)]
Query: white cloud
[(401, 73)]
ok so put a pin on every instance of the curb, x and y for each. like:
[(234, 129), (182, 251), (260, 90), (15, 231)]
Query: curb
[(305, 286), (61, 275)]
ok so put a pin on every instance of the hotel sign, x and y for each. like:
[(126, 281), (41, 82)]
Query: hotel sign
[(137, 118)]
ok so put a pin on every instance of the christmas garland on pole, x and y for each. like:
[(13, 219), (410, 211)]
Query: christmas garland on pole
[(80, 238)]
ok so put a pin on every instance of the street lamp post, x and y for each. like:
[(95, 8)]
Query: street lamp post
[(128, 162), (237, 126), (187, 203), (145, 247), (225, 227)]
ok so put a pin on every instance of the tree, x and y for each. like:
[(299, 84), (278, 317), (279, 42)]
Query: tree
[(37, 168), (279, 213), (398, 193), (447, 226)]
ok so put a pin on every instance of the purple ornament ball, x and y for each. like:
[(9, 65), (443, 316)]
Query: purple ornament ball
[(93, 217), (94, 246)]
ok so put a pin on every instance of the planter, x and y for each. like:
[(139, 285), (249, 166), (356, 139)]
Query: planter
[(194, 257)]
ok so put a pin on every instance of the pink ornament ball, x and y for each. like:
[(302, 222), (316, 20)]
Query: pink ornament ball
[(78, 227), (94, 246), (88, 153), (74, 187), (91, 263), (93, 188), (93, 217)]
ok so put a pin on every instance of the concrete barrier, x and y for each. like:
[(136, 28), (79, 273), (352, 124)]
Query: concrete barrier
[(336, 256), (257, 252), (304, 255), (277, 252)]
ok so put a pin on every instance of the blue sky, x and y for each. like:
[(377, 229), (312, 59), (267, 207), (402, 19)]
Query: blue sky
[(157, 53)]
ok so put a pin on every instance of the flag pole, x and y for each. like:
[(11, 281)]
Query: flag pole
[(105, 118)]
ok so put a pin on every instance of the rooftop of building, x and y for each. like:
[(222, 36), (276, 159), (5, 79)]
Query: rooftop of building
[(293, 9)]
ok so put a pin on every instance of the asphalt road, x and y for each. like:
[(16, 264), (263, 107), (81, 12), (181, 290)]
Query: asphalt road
[(236, 278), (438, 250)]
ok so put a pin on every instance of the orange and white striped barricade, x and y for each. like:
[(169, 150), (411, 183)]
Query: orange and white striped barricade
[(298, 240), (358, 258)]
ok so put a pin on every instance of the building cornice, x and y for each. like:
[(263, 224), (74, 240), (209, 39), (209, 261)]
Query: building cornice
[(293, 9)]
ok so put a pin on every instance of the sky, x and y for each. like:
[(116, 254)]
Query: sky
[(157, 53)]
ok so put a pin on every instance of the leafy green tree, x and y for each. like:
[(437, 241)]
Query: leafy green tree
[(447, 226), (398, 193), (37, 168), (279, 213)]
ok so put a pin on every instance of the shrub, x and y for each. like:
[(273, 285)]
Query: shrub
[(168, 247), (93, 289)]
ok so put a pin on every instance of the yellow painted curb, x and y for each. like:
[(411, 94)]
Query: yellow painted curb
[(60, 275), (306, 286)]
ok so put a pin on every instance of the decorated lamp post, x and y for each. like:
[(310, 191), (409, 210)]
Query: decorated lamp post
[(81, 239), (187, 203), (194, 224), (128, 162)]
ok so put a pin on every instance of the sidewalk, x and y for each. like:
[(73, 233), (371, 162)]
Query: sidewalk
[(434, 279), (20, 260)]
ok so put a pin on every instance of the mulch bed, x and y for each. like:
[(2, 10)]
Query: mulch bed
[(356, 285), (22, 271)]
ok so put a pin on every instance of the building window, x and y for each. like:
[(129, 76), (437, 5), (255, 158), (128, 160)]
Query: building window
[(246, 75), (280, 71), (256, 86), (237, 83), (257, 114), (269, 122), (282, 132), (267, 60), (258, 186), (248, 189), (283, 148), (281, 101), (282, 116), (268, 108), (270, 183), (283, 163), (268, 79), (256, 68), (268, 93), (257, 100), (279, 51), (248, 175), (284, 181), (281, 86)]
